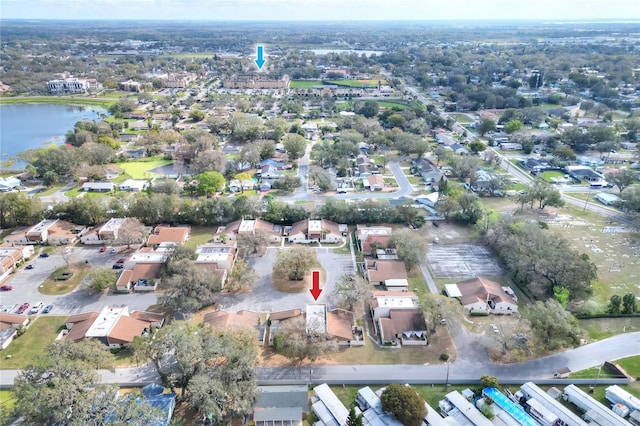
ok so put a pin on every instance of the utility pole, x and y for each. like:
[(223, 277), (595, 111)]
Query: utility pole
[(446, 383)]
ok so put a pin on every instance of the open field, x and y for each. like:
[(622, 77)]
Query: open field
[(104, 102), (51, 286), (199, 235), (390, 104), (141, 169), (358, 83), (26, 349), (461, 118)]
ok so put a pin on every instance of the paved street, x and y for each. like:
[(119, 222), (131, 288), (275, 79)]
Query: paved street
[(25, 284)]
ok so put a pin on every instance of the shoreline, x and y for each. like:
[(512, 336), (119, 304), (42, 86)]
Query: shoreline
[(58, 100)]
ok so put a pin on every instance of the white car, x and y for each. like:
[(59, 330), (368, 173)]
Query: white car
[(37, 307)]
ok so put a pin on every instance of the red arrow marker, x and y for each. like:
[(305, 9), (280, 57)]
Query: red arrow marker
[(315, 290)]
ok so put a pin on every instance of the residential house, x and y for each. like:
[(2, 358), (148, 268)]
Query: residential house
[(315, 230), (280, 405), (481, 296), (134, 185), (265, 186), (135, 152), (584, 173), (534, 165), (363, 171), (9, 183), (9, 325), (374, 182), (327, 407), (269, 172), (458, 149), (311, 131), (507, 146), (370, 238), (111, 173), (398, 319), (594, 411), (218, 258), (341, 325), (114, 325), (429, 172), (48, 231), (371, 406), (248, 320), (105, 233), (607, 198), (379, 271), (155, 395), (237, 185), (236, 229), (10, 256), (273, 162), (276, 317), (461, 411), (141, 277), (174, 235), (98, 186)]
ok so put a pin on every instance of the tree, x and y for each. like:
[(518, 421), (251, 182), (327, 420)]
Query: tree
[(405, 403), (354, 419), (255, 243), (485, 126), (410, 246), (477, 146), (295, 146), (513, 126), (554, 327), (631, 197), (350, 289), (210, 160), (287, 183), (489, 381), (196, 115), (629, 304), (369, 109), (295, 263), (50, 178), (131, 231), (294, 341), (188, 287), (615, 303), (564, 153), (63, 389), (209, 182), (214, 369), (100, 279), (620, 178), (242, 276)]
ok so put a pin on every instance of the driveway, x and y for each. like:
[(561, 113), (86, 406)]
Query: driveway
[(25, 284), (262, 297)]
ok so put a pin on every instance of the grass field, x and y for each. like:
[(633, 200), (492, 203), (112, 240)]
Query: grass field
[(61, 100), (199, 235), (551, 174), (26, 349), (141, 169), (53, 287), (387, 104), (305, 84), (358, 83), (461, 118)]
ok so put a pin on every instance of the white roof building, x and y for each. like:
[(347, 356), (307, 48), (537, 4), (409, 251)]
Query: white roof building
[(327, 407), (593, 410), (532, 392), (9, 183)]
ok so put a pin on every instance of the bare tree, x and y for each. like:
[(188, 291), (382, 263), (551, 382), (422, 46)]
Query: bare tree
[(351, 289), (255, 243), (131, 231)]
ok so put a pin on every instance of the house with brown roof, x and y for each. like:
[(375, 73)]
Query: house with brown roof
[(374, 182), (169, 235), (9, 325), (315, 230), (403, 327), (341, 325), (250, 227), (383, 302), (105, 233), (49, 231), (379, 271), (369, 238), (481, 296), (10, 256), (114, 325), (219, 258), (141, 277)]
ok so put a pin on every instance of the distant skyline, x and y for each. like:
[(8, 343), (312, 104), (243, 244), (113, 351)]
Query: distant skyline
[(322, 10)]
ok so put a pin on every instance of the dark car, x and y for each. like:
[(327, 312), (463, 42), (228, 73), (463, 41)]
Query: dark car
[(118, 266), (6, 288), (47, 309), (23, 308), (29, 266), (44, 254)]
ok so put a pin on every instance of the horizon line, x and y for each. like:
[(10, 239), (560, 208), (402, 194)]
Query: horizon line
[(554, 20)]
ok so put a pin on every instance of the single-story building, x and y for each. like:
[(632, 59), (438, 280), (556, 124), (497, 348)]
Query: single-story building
[(223, 320), (169, 234), (9, 183), (280, 405), (134, 185), (607, 198), (9, 325), (482, 296), (374, 182), (114, 325), (315, 230), (379, 271), (141, 277), (98, 186), (50, 231)]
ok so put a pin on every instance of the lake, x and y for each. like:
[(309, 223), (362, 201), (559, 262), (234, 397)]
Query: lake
[(32, 126)]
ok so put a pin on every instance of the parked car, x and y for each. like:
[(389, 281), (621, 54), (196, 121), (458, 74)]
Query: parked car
[(47, 309), (29, 266), (113, 250), (23, 308), (102, 249), (6, 287), (118, 266), (44, 254), (37, 307), (120, 260)]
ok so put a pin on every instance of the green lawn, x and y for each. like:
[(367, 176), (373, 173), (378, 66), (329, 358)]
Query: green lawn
[(551, 174), (305, 84), (461, 118), (200, 235), (7, 402), (387, 104), (140, 169), (24, 350), (60, 100), (50, 191)]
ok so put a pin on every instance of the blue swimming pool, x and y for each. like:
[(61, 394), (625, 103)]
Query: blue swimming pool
[(514, 410)]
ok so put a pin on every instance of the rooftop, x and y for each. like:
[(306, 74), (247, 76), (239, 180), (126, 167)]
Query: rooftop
[(105, 321), (316, 318)]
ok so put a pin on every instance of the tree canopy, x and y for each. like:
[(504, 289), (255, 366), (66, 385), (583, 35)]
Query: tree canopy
[(405, 403)]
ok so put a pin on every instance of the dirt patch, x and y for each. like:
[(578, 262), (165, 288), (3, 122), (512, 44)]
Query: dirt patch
[(284, 284)]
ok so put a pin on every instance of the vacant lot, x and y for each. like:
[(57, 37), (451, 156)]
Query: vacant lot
[(462, 260), (25, 350), (141, 169)]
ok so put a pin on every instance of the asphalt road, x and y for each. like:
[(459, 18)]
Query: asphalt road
[(464, 370), (25, 283)]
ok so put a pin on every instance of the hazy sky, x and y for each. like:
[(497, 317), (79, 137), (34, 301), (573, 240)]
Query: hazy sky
[(321, 9)]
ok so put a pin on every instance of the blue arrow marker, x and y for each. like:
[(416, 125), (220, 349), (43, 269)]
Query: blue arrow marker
[(259, 60)]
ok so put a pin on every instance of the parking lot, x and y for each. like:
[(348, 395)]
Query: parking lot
[(25, 283), (462, 261)]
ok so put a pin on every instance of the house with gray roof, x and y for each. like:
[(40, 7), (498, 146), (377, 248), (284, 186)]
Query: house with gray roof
[(280, 405)]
